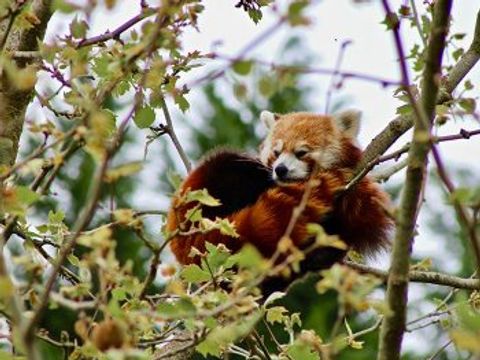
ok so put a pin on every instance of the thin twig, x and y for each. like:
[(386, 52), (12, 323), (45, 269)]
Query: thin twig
[(241, 54), (440, 350), (171, 132), (384, 174), (115, 34), (303, 69), (151, 274), (338, 64), (417, 23)]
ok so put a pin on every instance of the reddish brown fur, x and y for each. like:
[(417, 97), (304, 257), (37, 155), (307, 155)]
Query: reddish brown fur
[(357, 216), (262, 223)]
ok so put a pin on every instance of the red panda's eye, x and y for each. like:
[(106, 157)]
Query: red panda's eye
[(300, 153), (276, 153)]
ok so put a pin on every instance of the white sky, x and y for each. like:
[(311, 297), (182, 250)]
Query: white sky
[(371, 52)]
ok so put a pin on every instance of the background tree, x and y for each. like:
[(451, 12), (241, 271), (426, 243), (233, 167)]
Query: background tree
[(85, 272)]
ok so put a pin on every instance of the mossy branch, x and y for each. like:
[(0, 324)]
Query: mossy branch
[(13, 102), (426, 277), (393, 327)]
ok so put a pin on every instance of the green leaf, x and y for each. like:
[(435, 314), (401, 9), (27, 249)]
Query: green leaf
[(26, 196), (242, 67), (248, 257), (119, 294), (469, 318), (203, 197), (75, 261), (178, 309), (266, 86), (468, 85), (405, 10), (194, 274), (461, 194), (222, 336), (458, 53), (63, 6), (78, 28), (174, 179), (182, 102), (276, 314), (194, 214), (123, 170), (240, 91), (302, 351), (144, 117), (100, 65), (459, 36), (468, 104), (226, 227), (441, 110), (295, 12), (404, 109), (56, 217), (255, 15), (391, 21), (7, 288), (217, 256)]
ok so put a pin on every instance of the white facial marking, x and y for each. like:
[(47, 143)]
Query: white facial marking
[(327, 157), (297, 169), (278, 146), (266, 149)]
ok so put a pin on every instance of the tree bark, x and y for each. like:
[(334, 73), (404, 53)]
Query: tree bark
[(393, 326), (14, 102)]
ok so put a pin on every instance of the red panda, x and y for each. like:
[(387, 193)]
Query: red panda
[(259, 195)]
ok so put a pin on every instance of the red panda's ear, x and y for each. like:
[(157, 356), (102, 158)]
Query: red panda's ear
[(268, 118), (349, 122)]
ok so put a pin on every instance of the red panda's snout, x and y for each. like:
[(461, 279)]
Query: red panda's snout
[(289, 167)]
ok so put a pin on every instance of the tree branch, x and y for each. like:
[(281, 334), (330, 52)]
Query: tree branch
[(427, 277), (172, 134), (115, 34), (393, 327), (13, 102), (464, 64), (401, 124)]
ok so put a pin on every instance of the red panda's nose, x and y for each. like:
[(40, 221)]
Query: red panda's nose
[(281, 171)]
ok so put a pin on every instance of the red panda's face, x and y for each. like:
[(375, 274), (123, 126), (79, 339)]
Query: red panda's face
[(301, 142)]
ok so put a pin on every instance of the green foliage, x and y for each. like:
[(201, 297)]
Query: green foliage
[(79, 177)]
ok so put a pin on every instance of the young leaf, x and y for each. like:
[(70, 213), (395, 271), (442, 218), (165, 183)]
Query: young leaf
[(203, 197), (144, 117), (242, 67), (194, 274), (123, 170)]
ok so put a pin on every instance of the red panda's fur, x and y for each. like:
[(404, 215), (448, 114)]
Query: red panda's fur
[(261, 209)]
